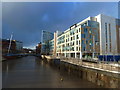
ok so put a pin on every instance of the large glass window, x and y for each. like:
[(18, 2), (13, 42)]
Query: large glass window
[(83, 35), (82, 41), (90, 36), (85, 30)]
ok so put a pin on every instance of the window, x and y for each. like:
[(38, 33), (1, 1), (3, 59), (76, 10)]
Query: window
[(83, 35), (76, 42), (79, 42), (73, 43), (77, 37), (85, 30), (72, 48), (73, 37), (86, 42), (110, 37), (82, 41), (79, 29), (90, 36), (83, 48), (106, 35), (76, 48)]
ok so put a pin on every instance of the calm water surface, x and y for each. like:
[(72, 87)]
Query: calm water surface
[(31, 72)]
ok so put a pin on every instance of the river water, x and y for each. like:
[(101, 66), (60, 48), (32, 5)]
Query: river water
[(31, 72)]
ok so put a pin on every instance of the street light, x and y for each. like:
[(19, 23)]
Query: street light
[(93, 45)]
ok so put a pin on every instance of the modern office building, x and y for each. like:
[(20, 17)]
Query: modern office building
[(89, 38), (108, 39), (46, 37), (51, 44), (80, 40)]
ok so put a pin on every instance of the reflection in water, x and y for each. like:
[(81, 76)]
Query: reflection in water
[(31, 72)]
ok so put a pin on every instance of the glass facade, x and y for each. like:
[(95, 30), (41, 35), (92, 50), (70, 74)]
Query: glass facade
[(46, 37)]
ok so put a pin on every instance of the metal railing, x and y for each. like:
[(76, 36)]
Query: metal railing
[(95, 64)]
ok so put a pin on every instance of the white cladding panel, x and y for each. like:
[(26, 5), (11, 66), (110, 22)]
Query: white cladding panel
[(102, 19)]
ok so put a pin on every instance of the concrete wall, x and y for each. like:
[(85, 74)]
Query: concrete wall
[(103, 79)]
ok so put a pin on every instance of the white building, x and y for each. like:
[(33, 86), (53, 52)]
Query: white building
[(91, 37), (108, 40), (80, 40)]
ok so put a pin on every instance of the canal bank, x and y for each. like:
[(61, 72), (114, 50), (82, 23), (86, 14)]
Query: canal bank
[(99, 77)]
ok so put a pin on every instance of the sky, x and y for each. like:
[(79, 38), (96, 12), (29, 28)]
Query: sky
[(27, 19)]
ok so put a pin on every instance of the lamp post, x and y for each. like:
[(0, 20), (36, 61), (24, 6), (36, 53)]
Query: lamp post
[(93, 45)]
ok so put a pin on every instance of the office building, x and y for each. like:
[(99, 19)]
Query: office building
[(99, 35), (80, 40), (46, 37), (108, 39)]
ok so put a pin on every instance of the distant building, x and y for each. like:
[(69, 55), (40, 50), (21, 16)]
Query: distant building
[(16, 46), (46, 37), (28, 51), (53, 43), (19, 46), (38, 49), (5, 46)]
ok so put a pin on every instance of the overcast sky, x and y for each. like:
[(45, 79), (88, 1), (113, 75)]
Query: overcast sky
[(27, 19)]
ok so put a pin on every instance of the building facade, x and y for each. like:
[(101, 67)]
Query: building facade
[(108, 40), (118, 34), (46, 37), (99, 35), (16, 46), (80, 40), (38, 49), (51, 44), (19, 46)]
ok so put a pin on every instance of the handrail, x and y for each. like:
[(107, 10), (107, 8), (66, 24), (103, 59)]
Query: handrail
[(97, 65)]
